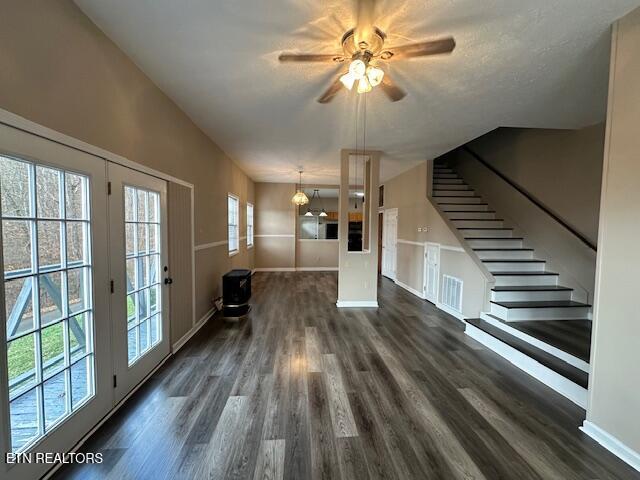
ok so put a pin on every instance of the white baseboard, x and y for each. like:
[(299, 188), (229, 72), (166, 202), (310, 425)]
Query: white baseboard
[(450, 311), (409, 289), (357, 304), (612, 444), (560, 384), (275, 269), (185, 338), (297, 269), (317, 269)]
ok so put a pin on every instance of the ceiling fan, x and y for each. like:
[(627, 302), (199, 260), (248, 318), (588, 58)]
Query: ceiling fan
[(363, 47)]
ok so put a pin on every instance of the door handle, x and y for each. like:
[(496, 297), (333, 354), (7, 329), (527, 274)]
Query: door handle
[(168, 281)]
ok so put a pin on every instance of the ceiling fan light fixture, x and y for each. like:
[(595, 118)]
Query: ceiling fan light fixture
[(348, 80), (357, 69), (375, 75), (364, 86)]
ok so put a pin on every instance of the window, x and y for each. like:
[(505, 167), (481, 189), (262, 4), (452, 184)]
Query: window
[(142, 231), (249, 225), (46, 243), (234, 223)]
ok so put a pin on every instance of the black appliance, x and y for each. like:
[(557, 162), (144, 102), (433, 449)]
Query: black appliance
[(332, 231), (236, 292)]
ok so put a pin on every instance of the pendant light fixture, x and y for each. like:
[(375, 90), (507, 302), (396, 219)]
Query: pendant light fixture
[(323, 213), (300, 198)]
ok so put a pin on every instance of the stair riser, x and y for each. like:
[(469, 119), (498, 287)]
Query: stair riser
[(505, 255), (457, 200), (551, 313), (477, 208), (473, 233), (438, 170), (438, 176), (515, 267), (454, 192), (506, 243), (448, 181), (450, 186), (531, 296), (472, 215), (478, 223), (521, 280)]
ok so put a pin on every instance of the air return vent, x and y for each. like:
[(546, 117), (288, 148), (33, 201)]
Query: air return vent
[(452, 293)]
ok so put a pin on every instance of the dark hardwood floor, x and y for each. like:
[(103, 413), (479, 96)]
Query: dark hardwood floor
[(302, 390)]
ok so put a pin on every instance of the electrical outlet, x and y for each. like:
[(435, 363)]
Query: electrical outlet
[(419, 229)]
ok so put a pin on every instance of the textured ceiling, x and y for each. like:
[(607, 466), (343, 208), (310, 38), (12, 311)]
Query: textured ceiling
[(518, 63)]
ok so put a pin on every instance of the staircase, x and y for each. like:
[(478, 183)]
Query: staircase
[(533, 321)]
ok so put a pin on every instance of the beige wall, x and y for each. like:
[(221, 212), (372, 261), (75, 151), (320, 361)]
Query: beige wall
[(71, 78), (615, 354), (560, 168), (408, 193), (275, 226), (317, 254)]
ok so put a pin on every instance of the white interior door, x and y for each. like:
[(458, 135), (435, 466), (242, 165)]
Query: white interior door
[(389, 243), (431, 271), (139, 266), (55, 376)]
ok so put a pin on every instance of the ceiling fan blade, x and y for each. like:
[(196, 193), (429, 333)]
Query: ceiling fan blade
[(331, 92), (365, 18), (394, 92), (420, 49), (310, 57)]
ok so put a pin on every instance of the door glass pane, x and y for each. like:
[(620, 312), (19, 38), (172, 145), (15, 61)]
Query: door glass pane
[(49, 243), (142, 229), (55, 392), (46, 233), (48, 181), (18, 298), (16, 237), (53, 346), (15, 184), (25, 419)]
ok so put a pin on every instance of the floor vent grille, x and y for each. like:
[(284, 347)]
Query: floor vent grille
[(452, 292)]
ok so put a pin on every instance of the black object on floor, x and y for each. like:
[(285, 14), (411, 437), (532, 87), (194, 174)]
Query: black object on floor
[(236, 292)]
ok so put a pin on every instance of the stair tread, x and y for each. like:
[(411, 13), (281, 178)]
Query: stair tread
[(531, 288), (460, 204), (514, 260), (491, 238), (481, 220), (484, 228), (458, 196), (541, 304), (513, 249), (524, 272), (570, 336), (470, 211), (550, 361)]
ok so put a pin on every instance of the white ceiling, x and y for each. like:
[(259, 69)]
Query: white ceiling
[(518, 63)]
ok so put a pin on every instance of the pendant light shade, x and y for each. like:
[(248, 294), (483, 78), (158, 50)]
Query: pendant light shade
[(322, 213), (309, 213), (300, 198)]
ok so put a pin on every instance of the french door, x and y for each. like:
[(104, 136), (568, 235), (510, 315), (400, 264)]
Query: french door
[(84, 304), (55, 378), (140, 300)]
